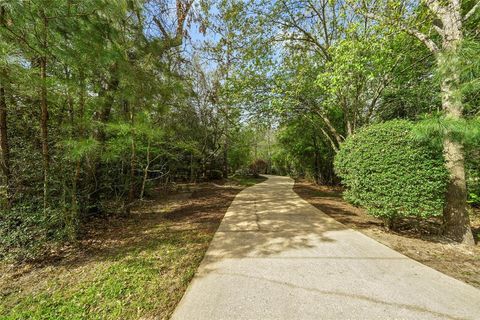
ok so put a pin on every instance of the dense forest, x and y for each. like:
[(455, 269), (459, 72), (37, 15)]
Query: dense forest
[(101, 101), (98, 104)]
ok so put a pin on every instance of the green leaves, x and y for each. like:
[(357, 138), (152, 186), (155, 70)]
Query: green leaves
[(436, 127), (78, 149), (390, 173)]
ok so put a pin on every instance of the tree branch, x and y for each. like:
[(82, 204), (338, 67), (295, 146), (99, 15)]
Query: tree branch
[(439, 30), (294, 24), (182, 13), (431, 45), (161, 27), (22, 39), (435, 7), (322, 17), (322, 130), (472, 11)]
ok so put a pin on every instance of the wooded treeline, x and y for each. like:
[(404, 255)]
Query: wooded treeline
[(99, 103), (327, 69)]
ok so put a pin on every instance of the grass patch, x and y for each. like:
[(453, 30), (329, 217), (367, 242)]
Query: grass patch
[(128, 268), (246, 181), (123, 287)]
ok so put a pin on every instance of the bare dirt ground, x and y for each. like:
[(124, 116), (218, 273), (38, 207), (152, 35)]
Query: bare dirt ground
[(419, 241)]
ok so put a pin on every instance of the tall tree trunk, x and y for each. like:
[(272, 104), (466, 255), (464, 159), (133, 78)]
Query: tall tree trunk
[(4, 146), (78, 164), (75, 211), (192, 169), (44, 113), (338, 137), (76, 178), (131, 191), (145, 172), (457, 222), (225, 158), (133, 159), (107, 93), (44, 128), (316, 164)]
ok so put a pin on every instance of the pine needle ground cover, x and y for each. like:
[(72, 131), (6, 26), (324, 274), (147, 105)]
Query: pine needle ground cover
[(123, 268), (417, 239)]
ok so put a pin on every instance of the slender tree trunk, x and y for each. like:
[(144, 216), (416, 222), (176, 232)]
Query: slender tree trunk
[(316, 161), (4, 146), (192, 170), (80, 133), (107, 93), (44, 113), (336, 135), (44, 128), (131, 191), (225, 158), (204, 168), (78, 164), (76, 178), (457, 222), (145, 172), (349, 128)]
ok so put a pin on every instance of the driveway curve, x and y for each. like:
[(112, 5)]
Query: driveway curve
[(275, 256)]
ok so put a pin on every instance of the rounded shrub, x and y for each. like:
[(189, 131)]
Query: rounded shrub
[(391, 174)]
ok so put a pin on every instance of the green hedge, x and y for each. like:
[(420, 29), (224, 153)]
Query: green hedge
[(390, 173)]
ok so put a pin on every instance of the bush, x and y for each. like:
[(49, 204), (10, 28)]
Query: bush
[(392, 174), (242, 172), (214, 175), (258, 166), (26, 232), (472, 166)]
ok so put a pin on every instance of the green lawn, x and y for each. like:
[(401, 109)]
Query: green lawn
[(247, 181)]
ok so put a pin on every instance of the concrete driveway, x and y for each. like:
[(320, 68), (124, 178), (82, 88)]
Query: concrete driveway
[(275, 256)]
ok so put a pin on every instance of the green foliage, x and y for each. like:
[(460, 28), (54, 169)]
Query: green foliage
[(240, 154), (214, 174), (125, 114), (474, 198), (392, 174), (472, 171), (78, 149), (436, 127), (25, 229), (301, 150), (246, 180), (257, 167)]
